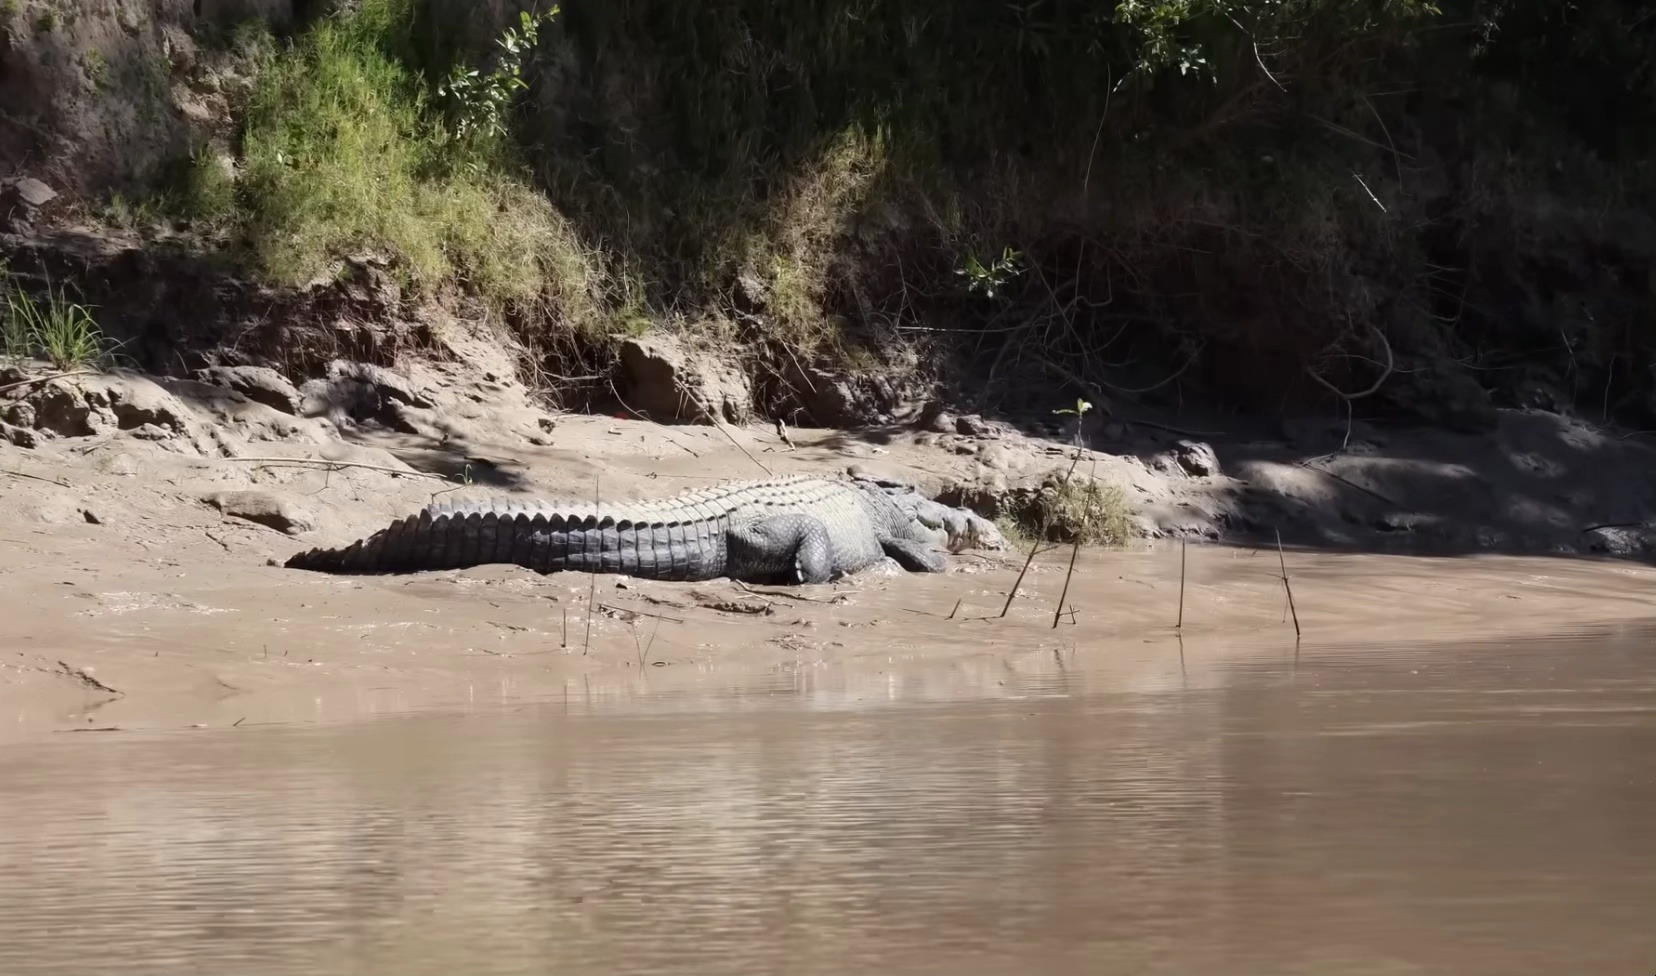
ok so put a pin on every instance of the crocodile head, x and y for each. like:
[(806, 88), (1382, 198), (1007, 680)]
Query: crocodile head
[(951, 528), (961, 529)]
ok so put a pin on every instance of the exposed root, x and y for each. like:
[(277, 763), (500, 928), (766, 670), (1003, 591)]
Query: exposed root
[(1391, 365)]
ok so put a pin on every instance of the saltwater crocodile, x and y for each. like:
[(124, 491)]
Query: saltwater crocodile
[(791, 529)]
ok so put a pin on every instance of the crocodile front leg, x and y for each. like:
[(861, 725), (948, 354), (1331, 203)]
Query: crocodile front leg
[(916, 557), (781, 548)]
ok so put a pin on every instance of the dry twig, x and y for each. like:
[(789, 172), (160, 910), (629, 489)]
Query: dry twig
[(330, 464), (46, 379), (1283, 562), (36, 477)]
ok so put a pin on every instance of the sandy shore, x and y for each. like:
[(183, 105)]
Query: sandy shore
[(131, 602)]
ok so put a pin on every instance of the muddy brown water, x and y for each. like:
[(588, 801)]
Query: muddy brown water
[(1402, 807)]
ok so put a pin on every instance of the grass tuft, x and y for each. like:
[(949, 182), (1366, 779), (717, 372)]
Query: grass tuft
[(1094, 512), (63, 331), (344, 157)]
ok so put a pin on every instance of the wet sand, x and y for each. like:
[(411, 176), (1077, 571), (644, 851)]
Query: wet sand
[(103, 640)]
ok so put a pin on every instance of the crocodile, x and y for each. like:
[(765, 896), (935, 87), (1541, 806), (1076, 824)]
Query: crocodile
[(789, 529)]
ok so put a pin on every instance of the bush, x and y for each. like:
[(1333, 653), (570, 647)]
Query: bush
[(343, 155), (61, 330)]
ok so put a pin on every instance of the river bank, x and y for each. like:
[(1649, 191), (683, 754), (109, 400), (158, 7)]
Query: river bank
[(137, 583)]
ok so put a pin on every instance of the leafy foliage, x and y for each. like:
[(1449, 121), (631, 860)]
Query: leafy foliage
[(480, 102)]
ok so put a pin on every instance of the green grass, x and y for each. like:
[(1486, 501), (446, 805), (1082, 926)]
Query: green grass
[(63, 331), (343, 157), (209, 190), (1095, 512), (132, 213), (15, 342), (97, 68)]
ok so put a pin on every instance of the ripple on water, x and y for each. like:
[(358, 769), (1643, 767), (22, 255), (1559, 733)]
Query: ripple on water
[(1468, 808)]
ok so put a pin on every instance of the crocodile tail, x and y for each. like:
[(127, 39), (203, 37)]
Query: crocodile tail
[(544, 543)]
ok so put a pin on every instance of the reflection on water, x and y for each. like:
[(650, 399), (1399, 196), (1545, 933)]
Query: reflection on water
[(1479, 808)]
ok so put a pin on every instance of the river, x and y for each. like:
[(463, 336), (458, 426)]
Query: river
[(1403, 807)]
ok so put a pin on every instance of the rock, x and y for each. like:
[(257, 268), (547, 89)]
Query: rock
[(939, 422), (342, 402), (22, 201), (86, 405), (21, 414), (64, 410), (260, 384), (18, 436), (33, 192), (353, 392), (151, 432), (264, 508), (1197, 458), (384, 382), (1620, 540), (832, 398), (674, 383), (972, 425), (178, 48), (1165, 463), (138, 403), (995, 456), (91, 517)]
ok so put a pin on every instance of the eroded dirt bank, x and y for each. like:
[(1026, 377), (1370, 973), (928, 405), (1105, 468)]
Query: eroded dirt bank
[(143, 515)]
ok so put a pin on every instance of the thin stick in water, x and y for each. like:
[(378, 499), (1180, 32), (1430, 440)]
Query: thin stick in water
[(1011, 595), (592, 590), (1059, 612), (1182, 546), (651, 644), (1283, 562), (1075, 550)]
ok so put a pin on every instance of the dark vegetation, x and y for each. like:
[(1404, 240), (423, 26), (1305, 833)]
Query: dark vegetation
[(1262, 204)]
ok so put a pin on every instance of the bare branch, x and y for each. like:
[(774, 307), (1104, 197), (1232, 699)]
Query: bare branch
[(46, 379), (1391, 365)]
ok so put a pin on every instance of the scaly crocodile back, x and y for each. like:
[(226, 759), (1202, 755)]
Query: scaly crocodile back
[(726, 498), (681, 537)]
